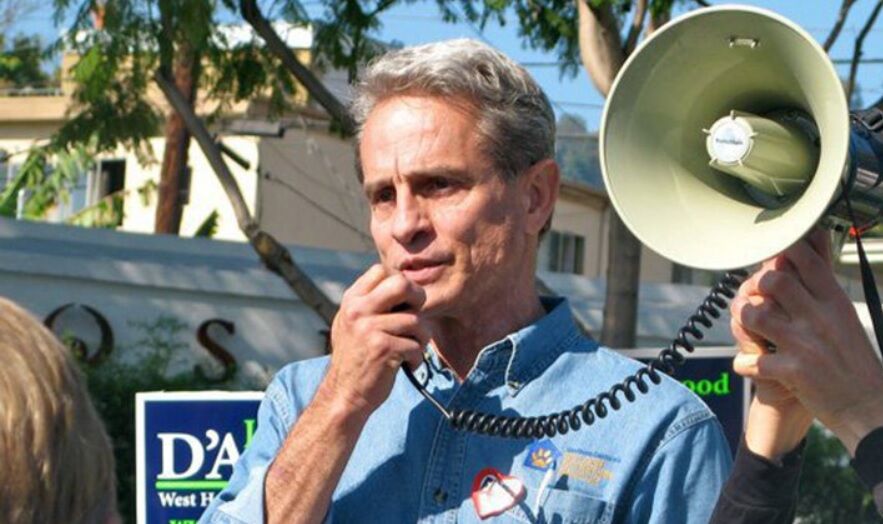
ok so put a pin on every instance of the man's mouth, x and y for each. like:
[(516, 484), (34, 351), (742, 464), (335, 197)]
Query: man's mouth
[(423, 271)]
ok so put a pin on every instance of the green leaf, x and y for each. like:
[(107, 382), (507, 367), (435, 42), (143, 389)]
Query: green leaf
[(209, 226), (107, 214)]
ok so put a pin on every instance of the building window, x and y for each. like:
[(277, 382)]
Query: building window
[(562, 253), (108, 178), (186, 179), (8, 172), (696, 277), (5, 170)]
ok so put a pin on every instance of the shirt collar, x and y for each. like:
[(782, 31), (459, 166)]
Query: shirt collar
[(526, 353), (536, 346)]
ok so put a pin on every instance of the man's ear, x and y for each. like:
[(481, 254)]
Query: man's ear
[(541, 182)]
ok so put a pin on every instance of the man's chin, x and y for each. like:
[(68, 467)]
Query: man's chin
[(438, 303)]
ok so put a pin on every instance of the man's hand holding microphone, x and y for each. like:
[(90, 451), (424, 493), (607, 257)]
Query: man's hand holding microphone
[(377, 328)]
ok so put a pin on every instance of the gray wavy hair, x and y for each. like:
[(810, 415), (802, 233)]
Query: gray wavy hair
[(514, 118)]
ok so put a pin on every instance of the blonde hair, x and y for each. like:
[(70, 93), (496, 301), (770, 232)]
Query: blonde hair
[(57, 460)]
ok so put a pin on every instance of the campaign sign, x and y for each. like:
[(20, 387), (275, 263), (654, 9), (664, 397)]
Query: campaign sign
[(186, 446), (708, 372)]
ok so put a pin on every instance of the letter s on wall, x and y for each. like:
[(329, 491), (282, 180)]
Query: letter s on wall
[(216, 350)]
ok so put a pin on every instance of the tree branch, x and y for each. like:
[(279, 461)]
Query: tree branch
[(859, 42), (381, 6), (600, 48), (838, 24), (660, 14), (13, 10), (657, 21), (637, 24), (273, 254), (314, 86), (179, 104)]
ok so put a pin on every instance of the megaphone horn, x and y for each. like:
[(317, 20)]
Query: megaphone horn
[(726, 137)]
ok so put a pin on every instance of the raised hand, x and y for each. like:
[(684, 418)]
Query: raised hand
[(822, 355), (371, 337)]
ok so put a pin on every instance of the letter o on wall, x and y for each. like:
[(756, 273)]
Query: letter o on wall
[(79, 348)]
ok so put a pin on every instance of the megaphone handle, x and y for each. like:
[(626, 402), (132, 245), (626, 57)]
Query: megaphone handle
[(869, 283)]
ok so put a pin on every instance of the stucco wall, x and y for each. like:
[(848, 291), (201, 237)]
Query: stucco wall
[(131, 278), (309, 193), (206, 193)]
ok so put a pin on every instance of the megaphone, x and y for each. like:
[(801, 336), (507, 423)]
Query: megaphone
[(727, 136)]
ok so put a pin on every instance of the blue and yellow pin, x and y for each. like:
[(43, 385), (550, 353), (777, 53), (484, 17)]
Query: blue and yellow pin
[(542, 455)]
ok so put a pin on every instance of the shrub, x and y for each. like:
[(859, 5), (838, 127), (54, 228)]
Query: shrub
[(143, 366), (830, 490)]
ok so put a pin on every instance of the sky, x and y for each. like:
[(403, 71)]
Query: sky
[(420, 22)]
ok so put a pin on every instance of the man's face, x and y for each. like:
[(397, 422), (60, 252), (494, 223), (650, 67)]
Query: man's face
[(439, 213)]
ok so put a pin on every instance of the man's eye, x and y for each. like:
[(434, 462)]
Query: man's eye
[(439, 183), (384, 195)]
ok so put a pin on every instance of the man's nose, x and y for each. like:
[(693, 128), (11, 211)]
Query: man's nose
[(409, 220)]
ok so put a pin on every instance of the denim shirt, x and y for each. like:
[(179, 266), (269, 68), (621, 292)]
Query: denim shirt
[(662, 458)]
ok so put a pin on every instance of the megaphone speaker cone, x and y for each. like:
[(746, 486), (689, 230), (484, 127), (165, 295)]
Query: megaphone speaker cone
[(774, 155), (732, 71)]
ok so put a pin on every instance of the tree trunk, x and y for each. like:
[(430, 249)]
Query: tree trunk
[(273, 254), (599, 44), (603, 54), (623, 282), (172, 178)]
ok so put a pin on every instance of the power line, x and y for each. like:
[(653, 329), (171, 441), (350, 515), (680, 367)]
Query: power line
[(576, 135), (322, 183), (848, 61), (330, 169), (293, 165), (417, 16), (266, 175), (585, 105), (480, 35), (849, 29), (837, 61)]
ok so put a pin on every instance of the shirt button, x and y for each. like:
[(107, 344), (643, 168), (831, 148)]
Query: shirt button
[(440, 496)]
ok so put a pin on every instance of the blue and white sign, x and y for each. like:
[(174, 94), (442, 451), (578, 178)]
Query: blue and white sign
[(186, 446)]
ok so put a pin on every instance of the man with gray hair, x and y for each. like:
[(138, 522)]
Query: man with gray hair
[(456, 155)]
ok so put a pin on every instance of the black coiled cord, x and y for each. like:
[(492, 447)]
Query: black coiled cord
[(598, 407)]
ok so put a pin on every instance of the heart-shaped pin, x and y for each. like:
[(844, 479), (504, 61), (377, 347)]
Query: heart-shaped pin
[(493, 492)]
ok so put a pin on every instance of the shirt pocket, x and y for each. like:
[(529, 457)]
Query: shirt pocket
[(563, 506)]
